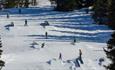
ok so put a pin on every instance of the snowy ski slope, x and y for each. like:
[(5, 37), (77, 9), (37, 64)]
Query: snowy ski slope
[(64, 27)]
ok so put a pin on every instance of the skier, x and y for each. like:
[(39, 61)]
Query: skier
[(46, 23), (80, 53), (26, 23), (80, 56), (12, 24), (0, 44), (1, 52), (43, 44), (100, 61), (74, 41), (8, 15), (49, 62), (46, 35), (60, 56), (34, 44)]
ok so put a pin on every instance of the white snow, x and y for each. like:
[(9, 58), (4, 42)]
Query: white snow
[(64, 27)]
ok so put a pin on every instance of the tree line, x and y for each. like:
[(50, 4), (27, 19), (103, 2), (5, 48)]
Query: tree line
[(70, 5), (104, 12), (61, 5)]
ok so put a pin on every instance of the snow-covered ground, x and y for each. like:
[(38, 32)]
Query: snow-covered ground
[(64, 27)]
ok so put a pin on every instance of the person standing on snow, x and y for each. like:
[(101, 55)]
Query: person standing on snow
[(60, 56), (26, 23), (80, 53), (46, 35), (73, 41), (80, 56), (101, 60), (43, 44), (12, 24), (8, 15)]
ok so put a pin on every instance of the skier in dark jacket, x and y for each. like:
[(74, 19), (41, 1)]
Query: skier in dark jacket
[(80, 53), (80, 56), (46, 35), (43, 44), (60, 56), (26, 23), (8, 15)]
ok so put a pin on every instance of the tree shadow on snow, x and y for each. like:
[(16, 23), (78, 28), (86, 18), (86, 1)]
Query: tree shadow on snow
[(69, 38)]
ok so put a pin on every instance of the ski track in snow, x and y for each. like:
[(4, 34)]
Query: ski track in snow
[(18, 54)]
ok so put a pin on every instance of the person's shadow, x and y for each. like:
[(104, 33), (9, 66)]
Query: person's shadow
[(78, 61)]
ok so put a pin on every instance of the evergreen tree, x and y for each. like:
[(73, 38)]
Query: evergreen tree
[(106, 9), (111, 53), (88, 3), (10, 3), (100, 11), (65, 5), (79, 4), (69, 5), (112, 14), (16, 3)]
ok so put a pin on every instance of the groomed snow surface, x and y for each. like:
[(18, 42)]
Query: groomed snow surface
[(19, 54)]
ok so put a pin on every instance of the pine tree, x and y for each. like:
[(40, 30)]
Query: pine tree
[(111, 42), (65, 5), (106, 9), (16, 3), (111, 53), (70, 5), (100, 10), (10, 3), (112, 14)]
